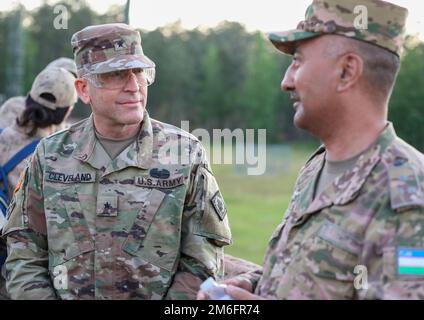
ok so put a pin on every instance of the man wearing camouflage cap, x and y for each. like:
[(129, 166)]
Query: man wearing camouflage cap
[(14, 106), (48, 104), (120, 206), (355, 226)]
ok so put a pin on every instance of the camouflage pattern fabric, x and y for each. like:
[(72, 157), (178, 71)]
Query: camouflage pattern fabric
[(10, 110), (366, 217), (13, 139), (11, 142), (137, 228), (234, 266), (108, 47), (386, 24)]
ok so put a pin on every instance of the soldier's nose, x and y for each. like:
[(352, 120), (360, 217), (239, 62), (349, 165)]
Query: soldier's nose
[(287, 84), (132, 84)]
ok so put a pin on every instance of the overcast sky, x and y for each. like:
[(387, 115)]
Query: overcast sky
[(264, 15)]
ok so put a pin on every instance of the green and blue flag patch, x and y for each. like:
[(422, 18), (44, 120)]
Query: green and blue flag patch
[(410, 262)]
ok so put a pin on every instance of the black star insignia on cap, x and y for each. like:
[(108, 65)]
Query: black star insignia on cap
[(120, 44)]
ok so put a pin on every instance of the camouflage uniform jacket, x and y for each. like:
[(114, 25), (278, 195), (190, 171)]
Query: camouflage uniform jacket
[(371, 216), (10, 110), (12, 140), (135, 229)]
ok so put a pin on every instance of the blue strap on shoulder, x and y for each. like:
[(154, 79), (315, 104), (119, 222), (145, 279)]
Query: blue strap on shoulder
[(14, 161)]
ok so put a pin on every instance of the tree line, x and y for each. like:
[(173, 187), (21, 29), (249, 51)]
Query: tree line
[(222, 77)]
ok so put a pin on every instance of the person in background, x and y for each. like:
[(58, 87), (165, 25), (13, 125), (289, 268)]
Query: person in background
[(47, 105), (14, 106)]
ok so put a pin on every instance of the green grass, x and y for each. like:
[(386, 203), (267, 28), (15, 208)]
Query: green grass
[(256, 204)]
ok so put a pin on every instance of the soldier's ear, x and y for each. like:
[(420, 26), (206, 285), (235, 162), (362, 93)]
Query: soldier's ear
[(351, 67), (81, 85)]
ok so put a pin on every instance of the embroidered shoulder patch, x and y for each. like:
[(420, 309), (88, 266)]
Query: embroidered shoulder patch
[(219, 205), (405, 190), (410, 262)]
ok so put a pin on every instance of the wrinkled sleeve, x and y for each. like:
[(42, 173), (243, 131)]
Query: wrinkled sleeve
[(252, 277), (393, 256), (27, 275), (205, 231)]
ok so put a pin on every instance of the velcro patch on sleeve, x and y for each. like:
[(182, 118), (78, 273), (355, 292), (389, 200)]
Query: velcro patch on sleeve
[(219, 205), (340, 238), (405, 190)]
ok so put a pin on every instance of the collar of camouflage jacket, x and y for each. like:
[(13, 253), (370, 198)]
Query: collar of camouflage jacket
[(345, 187), (138, 154)]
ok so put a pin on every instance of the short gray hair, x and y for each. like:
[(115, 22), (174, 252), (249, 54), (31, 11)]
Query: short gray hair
[(381, 66)]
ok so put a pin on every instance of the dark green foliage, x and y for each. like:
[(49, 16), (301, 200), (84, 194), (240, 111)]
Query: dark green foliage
[(407, 103)]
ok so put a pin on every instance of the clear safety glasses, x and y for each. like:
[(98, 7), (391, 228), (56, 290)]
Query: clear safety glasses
[(118, 79)]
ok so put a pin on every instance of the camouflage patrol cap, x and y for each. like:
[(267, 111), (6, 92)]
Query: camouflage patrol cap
[(386, 24), (57, 82), (108, 47), (65, 63), (10, 110)]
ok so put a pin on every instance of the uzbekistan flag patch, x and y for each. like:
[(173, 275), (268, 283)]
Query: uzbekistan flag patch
[(410, 262)]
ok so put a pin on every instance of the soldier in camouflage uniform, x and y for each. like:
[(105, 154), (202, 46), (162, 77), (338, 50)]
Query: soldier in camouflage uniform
[(10, 110), (120, 206), (56, 82), (14, 106), (48, 104), (355, 226)]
